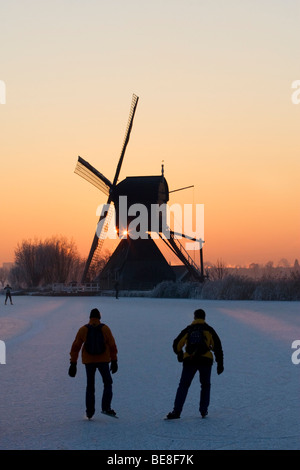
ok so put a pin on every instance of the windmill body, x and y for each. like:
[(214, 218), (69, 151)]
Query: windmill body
[(137, 263), (149, 191)]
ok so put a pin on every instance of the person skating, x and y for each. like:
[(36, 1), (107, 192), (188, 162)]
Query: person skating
[(95, 362), (8, 289), (194, 360), (117, 289)]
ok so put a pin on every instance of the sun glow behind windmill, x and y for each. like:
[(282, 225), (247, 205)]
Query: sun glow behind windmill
[(143, 256)]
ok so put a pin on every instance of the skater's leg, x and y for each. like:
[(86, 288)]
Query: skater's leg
[(90, 389), (187, 375), (107, 395), (204, 375)]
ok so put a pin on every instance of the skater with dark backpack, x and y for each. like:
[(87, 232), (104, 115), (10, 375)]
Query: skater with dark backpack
[(94, 343), (98, 351), (199, 340)]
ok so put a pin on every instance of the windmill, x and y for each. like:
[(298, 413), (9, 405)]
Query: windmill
[(135, 262)]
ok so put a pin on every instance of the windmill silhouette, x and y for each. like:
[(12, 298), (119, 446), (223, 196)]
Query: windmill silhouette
[(136, 263)]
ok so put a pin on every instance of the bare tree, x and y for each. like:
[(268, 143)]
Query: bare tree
[(4, 274), (26, 268), (218, 271), (283, 263), (44, 262)]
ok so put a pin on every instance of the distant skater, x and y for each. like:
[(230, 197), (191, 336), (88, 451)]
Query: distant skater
[(199, 339), (98, 350), (117, 289), (8, 289)]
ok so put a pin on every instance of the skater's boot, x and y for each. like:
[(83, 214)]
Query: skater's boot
[(173, 415)]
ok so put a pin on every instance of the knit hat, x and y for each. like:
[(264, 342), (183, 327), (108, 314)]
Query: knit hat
[(95, 313)]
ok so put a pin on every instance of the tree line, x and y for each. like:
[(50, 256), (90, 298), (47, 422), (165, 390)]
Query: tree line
[(41, 263)]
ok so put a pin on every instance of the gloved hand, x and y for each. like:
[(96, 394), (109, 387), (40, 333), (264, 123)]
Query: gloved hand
[(72, 369), (180, 356), (114, 367), (220, 369)]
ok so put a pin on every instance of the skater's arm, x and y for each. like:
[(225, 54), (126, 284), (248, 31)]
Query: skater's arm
[(180, 341), (77, 344), (217, 348), (110, 341)]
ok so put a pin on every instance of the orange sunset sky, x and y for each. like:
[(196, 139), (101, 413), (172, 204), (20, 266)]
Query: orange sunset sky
[(214, 80)]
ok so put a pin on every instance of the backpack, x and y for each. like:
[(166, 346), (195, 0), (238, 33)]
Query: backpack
[(196, 342), (94, 343)]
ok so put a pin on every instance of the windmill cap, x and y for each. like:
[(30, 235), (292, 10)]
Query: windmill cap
[(95, 313)]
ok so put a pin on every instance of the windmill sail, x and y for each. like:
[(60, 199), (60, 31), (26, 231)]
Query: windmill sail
[(134, 103), (91, 174), (94, 258)]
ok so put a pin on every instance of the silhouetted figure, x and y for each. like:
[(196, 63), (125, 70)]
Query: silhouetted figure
[(7, 289), (95, 362), (199, 340), (117, 289)]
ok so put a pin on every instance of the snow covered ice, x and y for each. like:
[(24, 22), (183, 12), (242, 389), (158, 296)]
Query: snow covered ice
[(254, 403)]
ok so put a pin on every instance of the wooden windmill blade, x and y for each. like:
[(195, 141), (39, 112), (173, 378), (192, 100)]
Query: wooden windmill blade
[(134, 103), (92, 175), (95, 250)]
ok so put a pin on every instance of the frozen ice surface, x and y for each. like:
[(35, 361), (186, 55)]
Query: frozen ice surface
[(254, 403)]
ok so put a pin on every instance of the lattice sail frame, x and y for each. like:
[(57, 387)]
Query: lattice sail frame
[(93, 176)]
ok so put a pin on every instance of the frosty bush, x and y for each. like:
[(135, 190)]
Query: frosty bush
[(173, 290), (233, 287), (286, 288)]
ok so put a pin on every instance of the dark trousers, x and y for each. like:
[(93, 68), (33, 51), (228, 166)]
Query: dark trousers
[(8, 296), (103, 368), (188, 372)]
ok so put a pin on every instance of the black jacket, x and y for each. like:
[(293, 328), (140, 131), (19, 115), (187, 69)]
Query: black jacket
[(211, 338)]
